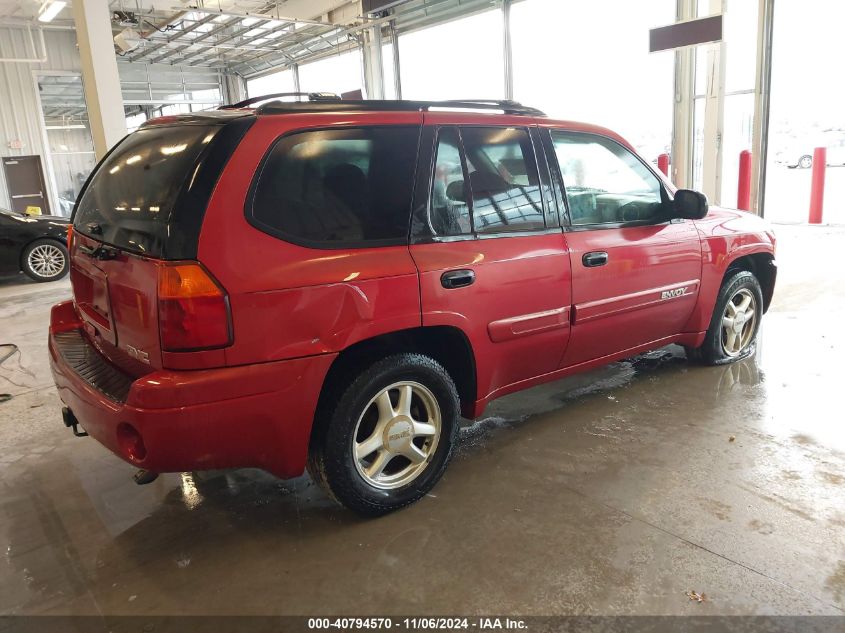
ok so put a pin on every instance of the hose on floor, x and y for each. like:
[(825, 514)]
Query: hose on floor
[(7, 350)]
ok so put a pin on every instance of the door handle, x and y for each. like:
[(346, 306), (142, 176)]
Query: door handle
[(28, 195), (596, 258), (457, 278)]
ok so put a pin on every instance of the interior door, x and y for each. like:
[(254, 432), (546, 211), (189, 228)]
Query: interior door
[(635, 273), (489, 264), (25, 182)]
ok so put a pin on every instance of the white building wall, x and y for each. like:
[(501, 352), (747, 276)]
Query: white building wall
[(20, 119)]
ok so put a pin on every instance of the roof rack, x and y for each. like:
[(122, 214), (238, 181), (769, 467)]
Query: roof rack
[(311, 96), (335, 103)]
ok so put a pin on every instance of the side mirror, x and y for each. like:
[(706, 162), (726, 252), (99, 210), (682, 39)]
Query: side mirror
[(689, 204)]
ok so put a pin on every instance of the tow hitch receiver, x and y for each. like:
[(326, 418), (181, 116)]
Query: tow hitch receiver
[(72, 423)]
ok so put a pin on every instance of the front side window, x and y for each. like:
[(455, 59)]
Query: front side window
[(334, 187), (605, 183), (503, 179)]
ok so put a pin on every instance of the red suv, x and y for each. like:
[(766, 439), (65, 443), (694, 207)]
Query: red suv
[(335, 283)]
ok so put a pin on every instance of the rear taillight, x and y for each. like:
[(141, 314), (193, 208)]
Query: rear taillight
[(193, 310)]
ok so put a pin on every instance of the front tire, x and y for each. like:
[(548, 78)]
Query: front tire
[(45, 260), (733, 329), (387, 439)]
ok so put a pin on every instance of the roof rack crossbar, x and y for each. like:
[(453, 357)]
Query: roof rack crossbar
[(310, 96), (324, 105)]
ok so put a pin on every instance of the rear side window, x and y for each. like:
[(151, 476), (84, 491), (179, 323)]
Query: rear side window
[(131, 199), (338, 187), (503, 179), (449, 211)]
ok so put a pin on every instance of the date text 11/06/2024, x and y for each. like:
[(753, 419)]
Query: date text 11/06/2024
[(448, 624)]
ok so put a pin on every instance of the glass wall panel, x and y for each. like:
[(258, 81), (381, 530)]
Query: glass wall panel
[(281, 81), (70, 146), (458, 60), (387, 64), (737, 135), (589, 61), (339, 73), (807, 109)]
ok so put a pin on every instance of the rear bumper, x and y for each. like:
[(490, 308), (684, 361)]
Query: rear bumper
[(247, 416)]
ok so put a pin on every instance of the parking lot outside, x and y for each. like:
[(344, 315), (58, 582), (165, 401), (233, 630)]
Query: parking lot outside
[(788, 195)]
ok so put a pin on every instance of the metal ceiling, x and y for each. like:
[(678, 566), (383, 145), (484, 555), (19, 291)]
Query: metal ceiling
[(251, 37)]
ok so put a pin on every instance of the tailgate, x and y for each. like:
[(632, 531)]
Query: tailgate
[(115, 295)]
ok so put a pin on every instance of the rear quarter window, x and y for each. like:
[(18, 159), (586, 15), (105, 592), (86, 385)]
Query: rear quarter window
[(337, 188)]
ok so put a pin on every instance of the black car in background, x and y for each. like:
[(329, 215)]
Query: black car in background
[(36, 245)]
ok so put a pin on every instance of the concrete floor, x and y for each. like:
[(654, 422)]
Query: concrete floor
[(610, 493)]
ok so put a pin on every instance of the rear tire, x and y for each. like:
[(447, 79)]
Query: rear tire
[(805, 162), (384, 438), (45, 260), (732, 334)]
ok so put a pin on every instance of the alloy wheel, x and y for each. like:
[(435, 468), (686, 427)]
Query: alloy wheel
[(46, 260), (739, 322), (396, 435)]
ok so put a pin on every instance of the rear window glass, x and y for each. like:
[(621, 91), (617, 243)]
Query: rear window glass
[(338, 187), (132, 197)]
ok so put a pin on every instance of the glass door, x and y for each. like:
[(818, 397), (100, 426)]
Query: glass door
[(70, 149), (723, 111)]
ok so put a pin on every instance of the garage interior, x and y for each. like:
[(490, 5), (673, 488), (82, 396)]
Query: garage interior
[(651, 486)]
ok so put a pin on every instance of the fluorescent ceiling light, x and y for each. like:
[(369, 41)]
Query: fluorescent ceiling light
[(76, 126), (50, 9)]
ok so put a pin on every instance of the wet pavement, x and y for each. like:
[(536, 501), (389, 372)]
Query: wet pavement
[(615, 492)]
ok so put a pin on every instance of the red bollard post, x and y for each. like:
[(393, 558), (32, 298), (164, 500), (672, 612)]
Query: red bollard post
[(817, 187), (743, 191), (663, 163)]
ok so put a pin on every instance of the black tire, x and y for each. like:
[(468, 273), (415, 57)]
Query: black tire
[(712, 351), (59, 260), (331, 462), (805, 162)]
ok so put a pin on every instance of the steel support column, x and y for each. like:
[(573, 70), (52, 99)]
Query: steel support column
[(397, 74), (373, 68), (234, 88), (762, 105), (507, 48), (682, 120), (99, 74), (714, 114)]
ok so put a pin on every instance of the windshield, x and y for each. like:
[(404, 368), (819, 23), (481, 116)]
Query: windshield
[(133, 199)]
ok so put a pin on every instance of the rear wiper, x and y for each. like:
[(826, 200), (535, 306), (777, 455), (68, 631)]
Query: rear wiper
[(101, 252)]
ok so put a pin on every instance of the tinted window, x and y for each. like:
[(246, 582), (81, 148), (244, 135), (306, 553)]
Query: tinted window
[(449, 211), (338, 186), (604, 182), (503, 179), (133, 194)]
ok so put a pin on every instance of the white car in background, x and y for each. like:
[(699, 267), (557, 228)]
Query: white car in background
[(803, 158)]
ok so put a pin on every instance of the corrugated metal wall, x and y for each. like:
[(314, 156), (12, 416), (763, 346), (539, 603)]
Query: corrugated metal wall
[(20, 119)]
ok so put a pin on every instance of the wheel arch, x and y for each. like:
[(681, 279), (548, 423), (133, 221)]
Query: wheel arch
[(762, 266), (448, 345)]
